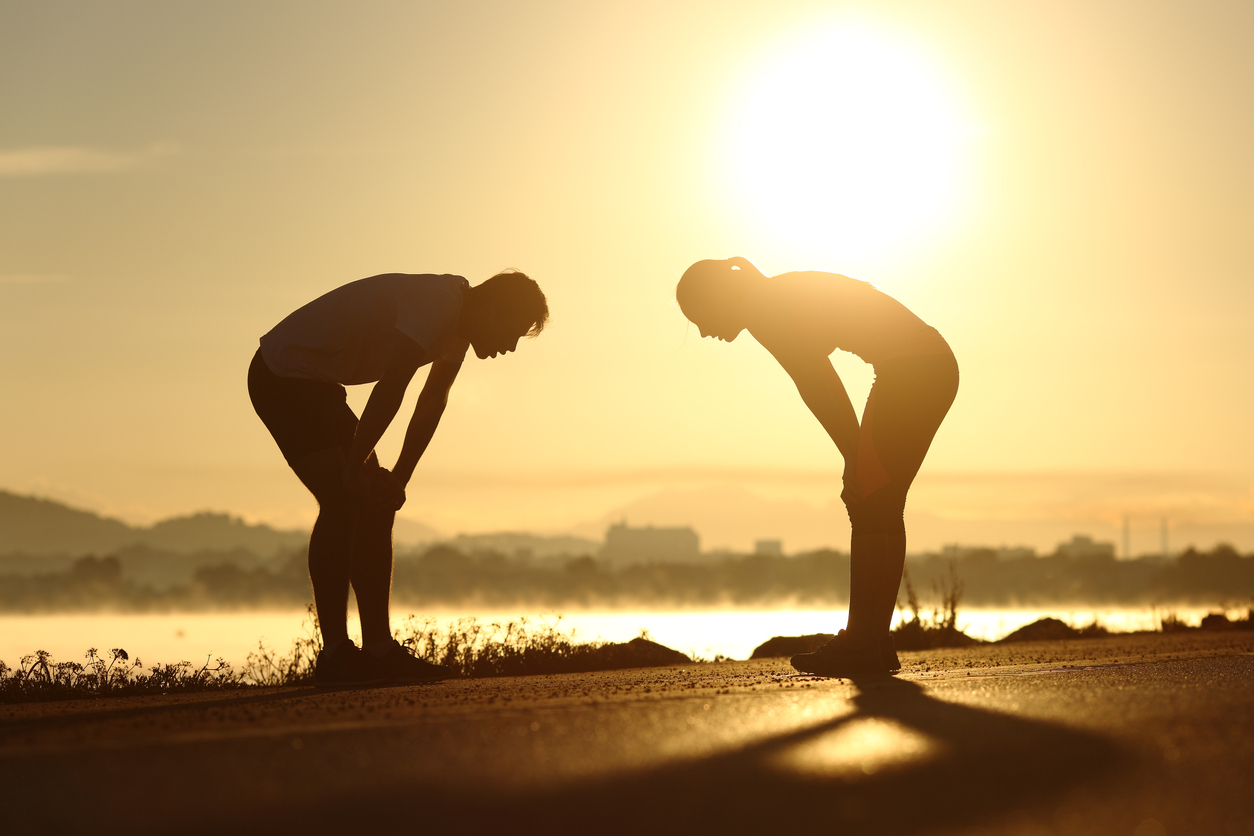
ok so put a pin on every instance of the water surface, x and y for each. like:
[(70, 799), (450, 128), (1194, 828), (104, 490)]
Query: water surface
[(198, 637)]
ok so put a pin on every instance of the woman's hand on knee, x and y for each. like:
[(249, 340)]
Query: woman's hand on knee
[(851, 492)]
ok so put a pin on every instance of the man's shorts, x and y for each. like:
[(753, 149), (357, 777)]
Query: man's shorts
[(304, 416)]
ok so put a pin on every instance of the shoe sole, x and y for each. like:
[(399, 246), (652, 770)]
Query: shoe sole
[(351, 683), (832, 673), (392, 683), (409, 680), (845, 674)]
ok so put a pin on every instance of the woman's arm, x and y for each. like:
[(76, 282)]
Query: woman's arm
[(824, 393)]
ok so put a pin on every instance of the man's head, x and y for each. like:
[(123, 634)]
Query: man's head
[(502, 310)]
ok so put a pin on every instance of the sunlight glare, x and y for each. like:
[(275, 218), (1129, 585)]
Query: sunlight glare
[(859, 747), (846, 143)]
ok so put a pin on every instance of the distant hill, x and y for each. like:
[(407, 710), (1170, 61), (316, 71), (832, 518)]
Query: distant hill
[(219, 532), (41, 526), (33, 526), (410, 533)]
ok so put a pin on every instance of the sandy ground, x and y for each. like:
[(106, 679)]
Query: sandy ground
[(1143, 734)]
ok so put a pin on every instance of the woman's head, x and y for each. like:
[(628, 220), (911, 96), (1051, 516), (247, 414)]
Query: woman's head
[(712, 294)]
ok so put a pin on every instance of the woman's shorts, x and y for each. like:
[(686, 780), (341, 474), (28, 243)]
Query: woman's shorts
[(304, 416), (909, 399)]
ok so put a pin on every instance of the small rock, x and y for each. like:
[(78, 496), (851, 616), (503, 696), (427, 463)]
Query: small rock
[(1045, 629), (790, 645), (1216, 621)]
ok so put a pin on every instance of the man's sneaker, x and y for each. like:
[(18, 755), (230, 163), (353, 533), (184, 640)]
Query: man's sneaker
[(842, 658), (345, 666), (888, 650), (400, 667)]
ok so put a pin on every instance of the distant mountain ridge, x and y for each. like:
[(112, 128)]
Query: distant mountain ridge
[(33, 526)]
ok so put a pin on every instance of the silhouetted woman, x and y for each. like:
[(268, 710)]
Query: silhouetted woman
[(801, 318)]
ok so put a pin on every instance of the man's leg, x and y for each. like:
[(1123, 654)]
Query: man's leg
[(330, 544), (372, 570)]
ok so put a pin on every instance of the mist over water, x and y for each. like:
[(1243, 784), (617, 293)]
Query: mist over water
[(201, 637)]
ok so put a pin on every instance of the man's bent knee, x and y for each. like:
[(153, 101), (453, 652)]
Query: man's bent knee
[(374, 517), (322, 472)]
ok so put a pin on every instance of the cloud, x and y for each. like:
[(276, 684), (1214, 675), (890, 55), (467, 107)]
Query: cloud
[(35, 161)]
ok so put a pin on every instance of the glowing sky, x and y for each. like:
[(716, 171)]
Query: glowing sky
[(1074, 216)]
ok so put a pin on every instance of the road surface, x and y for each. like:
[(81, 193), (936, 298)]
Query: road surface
[(1138, 735)]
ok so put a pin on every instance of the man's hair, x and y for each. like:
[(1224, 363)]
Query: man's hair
[(517, 291)]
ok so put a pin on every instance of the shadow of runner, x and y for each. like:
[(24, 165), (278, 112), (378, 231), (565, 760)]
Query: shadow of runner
[(979, 765)]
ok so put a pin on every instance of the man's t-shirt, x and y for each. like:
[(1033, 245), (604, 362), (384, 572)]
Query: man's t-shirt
[(345, 336)]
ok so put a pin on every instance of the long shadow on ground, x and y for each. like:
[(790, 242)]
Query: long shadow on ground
[(987, 765), (981, 765)]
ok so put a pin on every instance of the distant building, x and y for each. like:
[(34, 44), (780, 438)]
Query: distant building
[(769, 548), (1082, 546), (985, 553), (624, 544)]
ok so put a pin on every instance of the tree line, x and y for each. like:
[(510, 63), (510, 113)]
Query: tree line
[(443, 576)]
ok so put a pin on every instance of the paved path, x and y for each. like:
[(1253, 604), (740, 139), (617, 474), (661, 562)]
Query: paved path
[(1138, 735)]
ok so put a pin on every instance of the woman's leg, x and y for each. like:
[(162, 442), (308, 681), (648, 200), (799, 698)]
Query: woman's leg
[(908, 401), (876, 561)]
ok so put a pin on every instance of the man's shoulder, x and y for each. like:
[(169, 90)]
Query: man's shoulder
[(429, 308), (431, 287), (428, 278)]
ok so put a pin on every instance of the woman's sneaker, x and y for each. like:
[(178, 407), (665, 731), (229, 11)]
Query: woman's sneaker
[(344, 665), (841, 657), (400, 667)]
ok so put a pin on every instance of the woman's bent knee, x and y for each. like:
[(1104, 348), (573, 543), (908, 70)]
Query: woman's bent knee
[(882, 512)]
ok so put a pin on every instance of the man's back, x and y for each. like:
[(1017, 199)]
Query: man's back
[(345, 336)]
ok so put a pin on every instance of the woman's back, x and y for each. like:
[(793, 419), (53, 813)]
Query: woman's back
[(815, 311)]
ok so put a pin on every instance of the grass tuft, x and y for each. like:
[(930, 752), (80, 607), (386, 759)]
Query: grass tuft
[(471, 648), (513, 648), (924, 630), (268, 668), (39, 678)]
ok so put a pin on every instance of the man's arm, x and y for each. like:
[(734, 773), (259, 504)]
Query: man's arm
[(431, 403), (383, 404)]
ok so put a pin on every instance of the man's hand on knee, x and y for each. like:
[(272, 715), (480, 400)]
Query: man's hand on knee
[(375, 486), (386, 491)]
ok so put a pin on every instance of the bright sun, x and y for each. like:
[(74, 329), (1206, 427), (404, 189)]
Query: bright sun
[(847, 143)]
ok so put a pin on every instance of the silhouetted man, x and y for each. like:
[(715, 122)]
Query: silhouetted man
[(801, 318), (380, 329)]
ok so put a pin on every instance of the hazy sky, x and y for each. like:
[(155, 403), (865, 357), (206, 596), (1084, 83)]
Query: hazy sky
[(1065, 190)]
